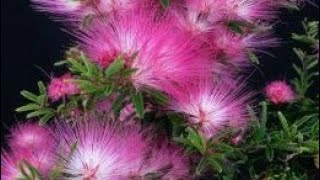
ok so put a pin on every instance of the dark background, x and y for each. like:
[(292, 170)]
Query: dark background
[(30, 39)]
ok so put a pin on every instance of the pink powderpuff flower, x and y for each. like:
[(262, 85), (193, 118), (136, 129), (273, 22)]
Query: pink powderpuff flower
[(161, 54), (61, 87), (80, 10), (232, 48), (34, 144), (165, 161), (249, 10), (70, 10), (197, 16), (9, 167), (279, 92), (103, 150), (202, 16), (212, 106), (12, 165), (30, 136)]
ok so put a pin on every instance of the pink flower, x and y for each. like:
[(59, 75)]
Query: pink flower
[(30, 136), (165, 160), (103, 150), (82, 10), (279, 92), (9, 167), (197, 16), (249, 10), (232, 48), (61, 87), (202, 16), (34, 144), (161, 55), (212, 106), (64, 9), (12, 163)]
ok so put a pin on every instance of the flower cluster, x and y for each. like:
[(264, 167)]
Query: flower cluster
[(189, 43), (94, 149), (192, 51)]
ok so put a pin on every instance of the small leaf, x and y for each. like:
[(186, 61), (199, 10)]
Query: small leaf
[(253, 116), (138, 102), (86, 85), (215, 165), (73, 148), (28, 107), (201, 166), (29, 95), (197, 140), (115, 67), (264, 117), (159, 97), (316, 161), (46, 118), (313, 64), (38, 113), (284, 123), (269, 153), (108, 90), (60, 63), (165, 3), (42, 88), (76, 66), (253, 58), (304, 39), (127, 72)]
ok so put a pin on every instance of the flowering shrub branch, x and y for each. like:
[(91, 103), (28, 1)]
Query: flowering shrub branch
[(152, 92)]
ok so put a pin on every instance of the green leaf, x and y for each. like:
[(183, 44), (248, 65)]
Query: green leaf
[(284, 123), (127, 72), (264, 117), (313, 64), (86, 85), (201, 166), (76, 66), (46, 118), (297, 69), (61, 63), (304, 39), (316, 161), (42, 88), (253, 58), (73, 148), (197, 140), (253, 116), (115, 67), (165, 3), (138, 103), (118, 104), (215, 165), (159, 97), (28, 107), (108, 90), (270, 153), (38, 113), (29, 95), (28, 171)]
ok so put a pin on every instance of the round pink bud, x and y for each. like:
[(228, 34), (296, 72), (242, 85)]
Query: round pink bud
[(279, 92), (61, 87)]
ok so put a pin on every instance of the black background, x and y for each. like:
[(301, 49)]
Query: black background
[(30, 39)]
